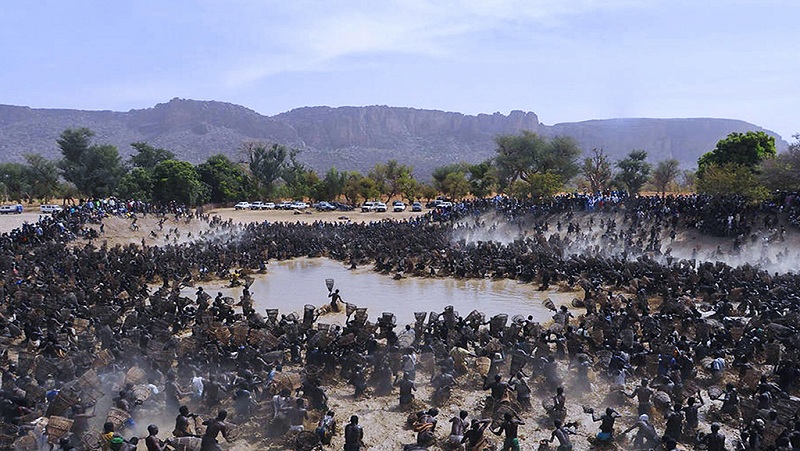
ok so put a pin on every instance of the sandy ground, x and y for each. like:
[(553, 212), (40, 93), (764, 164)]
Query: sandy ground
[(9, 222), (309, 215)]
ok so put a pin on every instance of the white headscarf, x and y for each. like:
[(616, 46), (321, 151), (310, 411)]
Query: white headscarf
[(644, 418)]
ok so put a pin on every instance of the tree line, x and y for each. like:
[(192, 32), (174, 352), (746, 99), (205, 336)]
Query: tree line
[(525, 165)]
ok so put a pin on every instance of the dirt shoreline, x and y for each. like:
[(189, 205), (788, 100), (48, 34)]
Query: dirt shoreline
[(31, 215)]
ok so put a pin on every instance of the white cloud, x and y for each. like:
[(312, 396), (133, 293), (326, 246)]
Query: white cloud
[(311, 36)]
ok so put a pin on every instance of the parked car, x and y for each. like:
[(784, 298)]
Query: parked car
[(368, 206), (242, 206), (50, 209), (398, 206), (325, 206), (416, 206), (268, 206), (380, 207), (438, 202), (285, 205), (298, 205), (15, 208), (342, 206), (257, 205)]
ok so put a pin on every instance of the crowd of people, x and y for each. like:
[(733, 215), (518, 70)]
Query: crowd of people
[(93, 333)]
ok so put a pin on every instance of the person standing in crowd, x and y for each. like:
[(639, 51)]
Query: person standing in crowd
[(214, 428), (353, 435), (509, 426)]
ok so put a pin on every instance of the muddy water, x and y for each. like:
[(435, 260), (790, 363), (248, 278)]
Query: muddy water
[(289, 285)]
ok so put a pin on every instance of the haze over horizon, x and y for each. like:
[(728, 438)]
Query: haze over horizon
[(567, 61)]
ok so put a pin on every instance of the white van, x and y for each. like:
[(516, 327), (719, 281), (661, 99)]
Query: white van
[(49, 209), (8, 209)]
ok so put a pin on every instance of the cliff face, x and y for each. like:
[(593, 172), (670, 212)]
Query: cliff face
[(382, 126), (350, 138), (201, 117), (359, 137)]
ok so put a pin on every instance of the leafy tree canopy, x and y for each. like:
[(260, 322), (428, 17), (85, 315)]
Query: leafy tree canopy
[(366, 188), (94, 169), (178, 181), (527, 157), (299, 179), (73, 142), (331, 186), (136, 184), (482, 179), (783, 171), (634, 170), (14, 183), (267, 163), (352, 187), (42, 176), (227, 180), (746, 149), (147, 156), (388, 176), (731, 178)]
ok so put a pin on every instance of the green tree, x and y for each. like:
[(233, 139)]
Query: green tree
[(540, 186), (731, 178), (664, 174), (68, 192), (147, 156), (596, 169), (482, 179), (102, 171), (367, 188), (267, 163), (352, 187), (304, 184), (427, 191), (74, 142), (634, 171), (745, 149), (409, 187), (451, 180), (783, 172), (331, 186), (456, 185), (523, 159), (388, 176), (94, 169), (298, 178), (14, 183), (42, 175), (178, 181), (379, 177), (136, 184), (227, 180), (441, 173)]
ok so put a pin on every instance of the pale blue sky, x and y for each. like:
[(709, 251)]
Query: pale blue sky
[(566, 60)]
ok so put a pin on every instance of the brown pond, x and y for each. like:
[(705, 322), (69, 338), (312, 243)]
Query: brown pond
[(289, 285)]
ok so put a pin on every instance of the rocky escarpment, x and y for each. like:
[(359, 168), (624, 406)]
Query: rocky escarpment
[(350, 138)]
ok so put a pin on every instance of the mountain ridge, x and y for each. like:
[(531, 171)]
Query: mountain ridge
[(351, 138)]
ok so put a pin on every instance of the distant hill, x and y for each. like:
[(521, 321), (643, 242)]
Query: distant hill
[(350, 138)]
